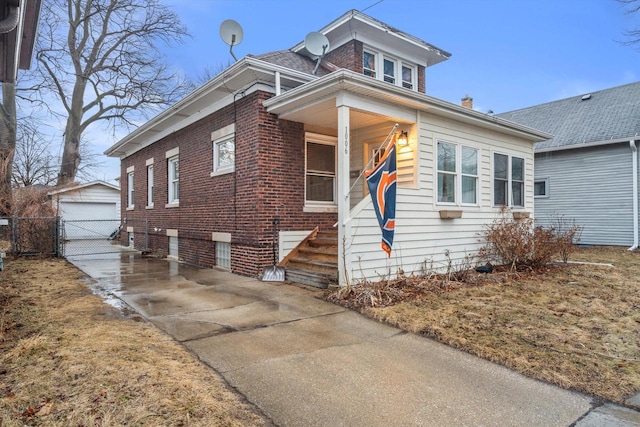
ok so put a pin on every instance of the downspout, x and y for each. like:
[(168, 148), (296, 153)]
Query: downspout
[(634, 153), (11, 21)]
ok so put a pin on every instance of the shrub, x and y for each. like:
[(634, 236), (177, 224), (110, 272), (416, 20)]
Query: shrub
[(520, 244)]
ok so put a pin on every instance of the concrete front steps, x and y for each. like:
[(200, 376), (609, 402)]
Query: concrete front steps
[(315, 261)]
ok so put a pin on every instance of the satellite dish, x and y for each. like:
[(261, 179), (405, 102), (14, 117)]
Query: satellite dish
[(316, 44), (231, 33)]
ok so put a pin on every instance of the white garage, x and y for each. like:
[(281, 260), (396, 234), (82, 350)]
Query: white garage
[(88, 211)]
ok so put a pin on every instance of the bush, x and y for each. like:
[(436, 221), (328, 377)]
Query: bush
[(520, 244)]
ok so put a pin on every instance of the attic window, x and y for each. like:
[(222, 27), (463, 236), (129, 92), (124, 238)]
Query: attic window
[(585, 97)]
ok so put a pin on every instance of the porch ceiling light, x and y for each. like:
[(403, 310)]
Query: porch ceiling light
[(403, 139)]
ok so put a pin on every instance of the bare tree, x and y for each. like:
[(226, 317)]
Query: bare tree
[(633, 35), (101, 59), (33, 162)]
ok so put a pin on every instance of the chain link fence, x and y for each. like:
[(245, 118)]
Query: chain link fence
[(51, 236), (30, 236)]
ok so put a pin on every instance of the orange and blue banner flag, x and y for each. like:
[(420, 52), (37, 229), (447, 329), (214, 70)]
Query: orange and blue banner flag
[(381, 181)]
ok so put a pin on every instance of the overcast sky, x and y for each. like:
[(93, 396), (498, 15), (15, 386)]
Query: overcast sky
[(506, 54)]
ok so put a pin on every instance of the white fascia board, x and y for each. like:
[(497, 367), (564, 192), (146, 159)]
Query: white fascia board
[(81, 186), (587, 144), (222, 80), (351, 81), (378, 25)]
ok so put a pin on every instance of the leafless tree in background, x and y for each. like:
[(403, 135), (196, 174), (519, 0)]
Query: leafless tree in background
[(101, 59), (33, 162), (633, 35)]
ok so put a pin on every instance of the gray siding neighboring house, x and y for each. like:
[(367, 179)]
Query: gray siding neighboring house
[(587, 172)]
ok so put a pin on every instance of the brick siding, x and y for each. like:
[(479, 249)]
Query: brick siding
[(268, 182)]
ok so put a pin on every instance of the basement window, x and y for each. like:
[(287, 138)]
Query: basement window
[(223, 255)]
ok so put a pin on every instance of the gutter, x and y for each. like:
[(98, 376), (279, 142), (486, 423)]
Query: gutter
[(11, 21), (634, 154)]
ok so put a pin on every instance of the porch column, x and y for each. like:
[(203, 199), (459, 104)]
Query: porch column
[(344, 200)]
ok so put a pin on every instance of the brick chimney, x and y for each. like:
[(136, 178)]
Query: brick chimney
[(467, 102)]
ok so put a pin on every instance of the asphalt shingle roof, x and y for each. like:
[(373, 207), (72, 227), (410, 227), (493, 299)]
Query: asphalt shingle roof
[(605, 115), (292, 60)]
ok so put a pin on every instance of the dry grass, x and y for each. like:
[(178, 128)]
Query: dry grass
[(576, 326), (66, 358)]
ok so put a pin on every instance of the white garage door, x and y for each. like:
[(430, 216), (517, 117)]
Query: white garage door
[(88, 220)]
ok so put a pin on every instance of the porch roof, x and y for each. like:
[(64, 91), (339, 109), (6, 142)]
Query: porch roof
[(315, 103)]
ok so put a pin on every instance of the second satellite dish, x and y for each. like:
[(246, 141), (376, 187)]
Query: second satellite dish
[(231, 33), (316, 44)]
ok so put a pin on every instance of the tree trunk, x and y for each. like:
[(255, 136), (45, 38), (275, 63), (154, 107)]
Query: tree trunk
[(7, 146), (73, 132)]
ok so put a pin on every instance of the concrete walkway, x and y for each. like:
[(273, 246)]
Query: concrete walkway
[(306, 362)]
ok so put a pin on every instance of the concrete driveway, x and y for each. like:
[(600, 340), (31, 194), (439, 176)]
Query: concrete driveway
[(306, 362)]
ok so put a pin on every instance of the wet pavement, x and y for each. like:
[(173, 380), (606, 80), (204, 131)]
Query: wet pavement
[(306, 362)]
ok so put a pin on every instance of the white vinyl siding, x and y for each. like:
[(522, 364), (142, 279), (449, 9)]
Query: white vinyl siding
[(421, 236)]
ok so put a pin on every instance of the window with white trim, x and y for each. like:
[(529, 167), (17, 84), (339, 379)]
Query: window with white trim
[(508, 180), (174, 179), (541, 188), (150, 185), (394, 70), (457, 174), (320, 182), (130, 190), (224, 154), (369, 64)]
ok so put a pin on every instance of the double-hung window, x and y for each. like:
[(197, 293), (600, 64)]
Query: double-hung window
[(394, 70), (174, 179), (369, 64), (508, 180), (320, 182), (224, 154), (457, 174), (130, 190), (150, 185)]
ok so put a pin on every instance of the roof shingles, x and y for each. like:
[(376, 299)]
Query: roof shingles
[(606, 115)]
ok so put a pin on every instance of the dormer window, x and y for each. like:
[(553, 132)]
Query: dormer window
[(369, 64), (394, 71)]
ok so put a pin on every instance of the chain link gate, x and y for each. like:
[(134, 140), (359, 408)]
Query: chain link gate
[(103, 236)]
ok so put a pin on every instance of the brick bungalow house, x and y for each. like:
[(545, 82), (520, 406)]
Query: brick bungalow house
[(267, 138)]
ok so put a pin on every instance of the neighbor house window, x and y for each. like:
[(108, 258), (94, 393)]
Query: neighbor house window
[(150, 186), (223, 255), (508, 180), (394, 70), (224, 154), (457, 174), (320, 180), (541, 188), (174, 179), (130, 191)]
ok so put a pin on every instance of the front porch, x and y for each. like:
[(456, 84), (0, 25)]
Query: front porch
[(356, 126)]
